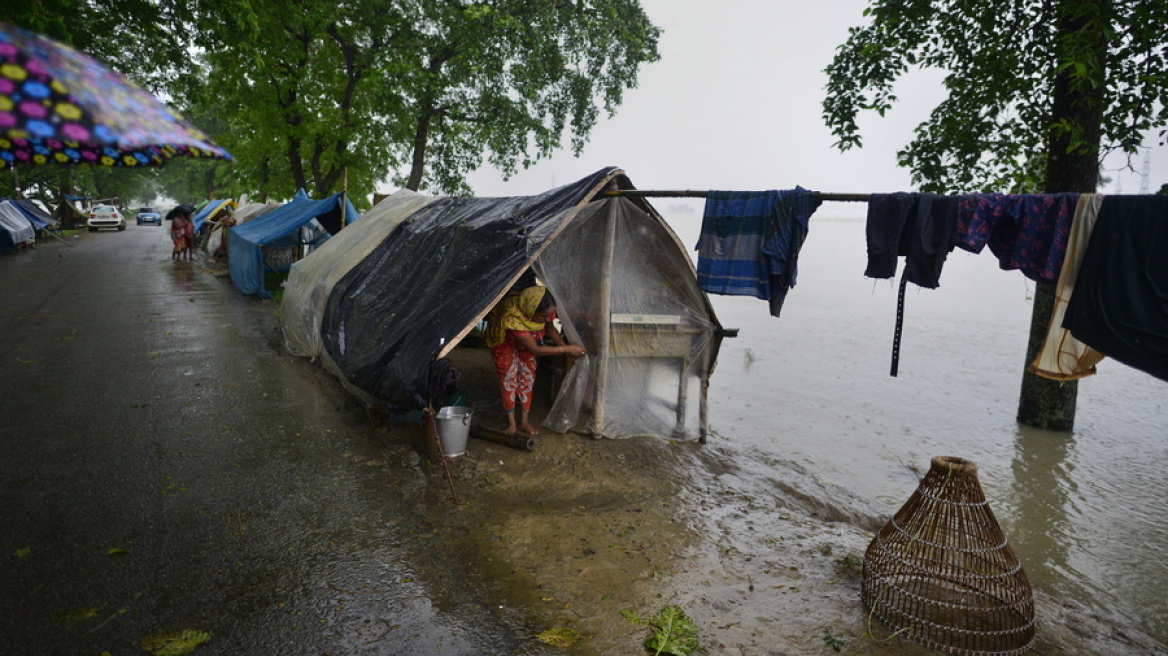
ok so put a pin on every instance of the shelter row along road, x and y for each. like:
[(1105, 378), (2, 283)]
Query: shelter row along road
[(163, 467)]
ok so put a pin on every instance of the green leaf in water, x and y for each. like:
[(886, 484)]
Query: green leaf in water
[(173, 643), (76, 615), (116, 552), (21, 553), (673, 631), (559, 637)]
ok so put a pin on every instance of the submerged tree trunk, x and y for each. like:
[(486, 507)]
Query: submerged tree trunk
[(1072, 166)]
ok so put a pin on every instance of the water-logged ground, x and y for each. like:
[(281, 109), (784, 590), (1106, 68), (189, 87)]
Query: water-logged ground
[(171, 468)]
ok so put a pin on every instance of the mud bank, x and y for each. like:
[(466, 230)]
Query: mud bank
[(578, 530)]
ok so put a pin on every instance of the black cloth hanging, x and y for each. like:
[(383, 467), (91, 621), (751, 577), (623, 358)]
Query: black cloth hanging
[(918, 227), (1120, 303)]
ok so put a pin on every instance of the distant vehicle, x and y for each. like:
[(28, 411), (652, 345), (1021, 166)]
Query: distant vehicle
[(105, 216), (149, 215)]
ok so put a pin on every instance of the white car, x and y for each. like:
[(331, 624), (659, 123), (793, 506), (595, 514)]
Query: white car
[(105, 216)]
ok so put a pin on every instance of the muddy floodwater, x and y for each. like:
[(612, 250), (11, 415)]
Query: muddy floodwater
[(167, 466), (1085, 511)]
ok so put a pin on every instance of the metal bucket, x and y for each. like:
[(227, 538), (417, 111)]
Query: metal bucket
[(454, 429)]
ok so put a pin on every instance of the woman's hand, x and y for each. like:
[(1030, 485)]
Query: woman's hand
[(573, 350)]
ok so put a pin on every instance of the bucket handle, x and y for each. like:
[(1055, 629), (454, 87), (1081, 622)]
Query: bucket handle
[(466, 419)]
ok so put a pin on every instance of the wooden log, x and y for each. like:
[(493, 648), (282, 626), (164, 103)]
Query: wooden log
[(512, 440)]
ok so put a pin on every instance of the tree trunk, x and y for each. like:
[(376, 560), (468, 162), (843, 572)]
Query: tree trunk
[(1071, 167), (418, 161)]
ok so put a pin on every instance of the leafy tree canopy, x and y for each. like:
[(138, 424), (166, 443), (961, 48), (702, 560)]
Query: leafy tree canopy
[(310, 93), (316, 89), (1004, 62)]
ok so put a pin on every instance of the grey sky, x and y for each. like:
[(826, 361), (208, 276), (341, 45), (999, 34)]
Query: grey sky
[(734, 103)]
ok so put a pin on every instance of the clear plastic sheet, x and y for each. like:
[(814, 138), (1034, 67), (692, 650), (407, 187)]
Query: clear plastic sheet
[(626, 290)]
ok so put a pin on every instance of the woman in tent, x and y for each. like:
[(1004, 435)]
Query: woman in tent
[(515, 332)]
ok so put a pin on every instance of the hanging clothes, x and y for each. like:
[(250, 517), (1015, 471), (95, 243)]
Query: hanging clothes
[(1027, 232), (750, 241), (1120, 300), (918, 227), (1063, 357)]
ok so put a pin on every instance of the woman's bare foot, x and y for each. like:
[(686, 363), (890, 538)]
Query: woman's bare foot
[(528, 428)]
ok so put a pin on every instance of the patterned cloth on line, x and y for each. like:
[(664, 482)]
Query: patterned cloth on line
[(750, 241)]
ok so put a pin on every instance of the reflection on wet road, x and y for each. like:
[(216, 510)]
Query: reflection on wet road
[(163, 467)]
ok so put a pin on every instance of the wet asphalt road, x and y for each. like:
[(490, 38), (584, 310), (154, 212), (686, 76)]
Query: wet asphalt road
[(164, 466)]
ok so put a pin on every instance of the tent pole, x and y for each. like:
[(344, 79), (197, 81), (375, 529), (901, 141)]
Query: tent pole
[(603, 337), (689, 193)]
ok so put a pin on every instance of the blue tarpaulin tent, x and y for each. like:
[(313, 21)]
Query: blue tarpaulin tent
[(209, 210), (273, 241), (40, 219)]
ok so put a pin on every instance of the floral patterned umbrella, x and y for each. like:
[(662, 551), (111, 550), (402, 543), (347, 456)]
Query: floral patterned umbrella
[(59, 106)]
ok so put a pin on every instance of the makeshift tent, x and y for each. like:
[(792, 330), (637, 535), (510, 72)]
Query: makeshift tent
[(15, 228), (41, 220), (244, 214), (625, 287), (70, 214), (211, 211), (312, 278), (275, 240)]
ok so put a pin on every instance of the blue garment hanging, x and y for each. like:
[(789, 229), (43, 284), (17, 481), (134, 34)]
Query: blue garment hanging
[(750, 241)]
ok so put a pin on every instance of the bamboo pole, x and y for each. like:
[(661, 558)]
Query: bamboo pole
[(603, 337), (690, 193)]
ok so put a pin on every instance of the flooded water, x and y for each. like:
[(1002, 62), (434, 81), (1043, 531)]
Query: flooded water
[(1085, 511)]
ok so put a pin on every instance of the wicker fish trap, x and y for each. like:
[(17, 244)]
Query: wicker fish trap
[(942, 574)]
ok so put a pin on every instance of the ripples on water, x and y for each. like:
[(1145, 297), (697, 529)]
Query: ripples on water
[(1086, 511)]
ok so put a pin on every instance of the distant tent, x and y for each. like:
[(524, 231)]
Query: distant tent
[(41, 220), (69, 213), (625, 286), (210, 211), (276, 239), (15, 227), (244, 214)]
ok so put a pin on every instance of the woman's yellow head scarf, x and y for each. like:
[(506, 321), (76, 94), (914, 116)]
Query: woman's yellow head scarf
[(514, 313)]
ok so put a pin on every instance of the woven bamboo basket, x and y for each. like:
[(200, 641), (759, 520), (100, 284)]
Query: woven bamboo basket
[(942, 574)]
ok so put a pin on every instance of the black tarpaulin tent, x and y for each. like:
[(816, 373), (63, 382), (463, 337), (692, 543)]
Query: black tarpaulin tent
[(626, 290)]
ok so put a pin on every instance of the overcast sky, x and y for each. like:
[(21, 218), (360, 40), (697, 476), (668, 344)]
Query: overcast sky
[(734, 103)]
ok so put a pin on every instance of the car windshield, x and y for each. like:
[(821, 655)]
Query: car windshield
[(105, 208), (147, 210)]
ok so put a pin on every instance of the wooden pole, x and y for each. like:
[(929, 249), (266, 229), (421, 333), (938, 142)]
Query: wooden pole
[(603, 337), (690, 193)]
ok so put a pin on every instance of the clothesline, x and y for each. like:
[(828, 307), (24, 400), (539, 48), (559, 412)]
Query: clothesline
[(689, 193)]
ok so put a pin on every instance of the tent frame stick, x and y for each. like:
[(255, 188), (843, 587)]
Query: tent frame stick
[(603, 337), (690, 193)]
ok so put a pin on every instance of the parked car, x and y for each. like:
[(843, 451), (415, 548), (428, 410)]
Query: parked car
[(105, 216), (149, 215)]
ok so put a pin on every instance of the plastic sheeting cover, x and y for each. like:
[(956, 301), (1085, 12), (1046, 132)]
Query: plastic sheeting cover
[(390, 315), (313, 278), (244, 214), (634, 303), (15, 228), (276, 228), (39, 218)]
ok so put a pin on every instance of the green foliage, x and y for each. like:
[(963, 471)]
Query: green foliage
[(673, 631), (559, 637), (831, 641), (173, 643), (367, 86), (1006, 63)]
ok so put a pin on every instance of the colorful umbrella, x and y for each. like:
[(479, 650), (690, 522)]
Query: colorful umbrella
[(59, 106)]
